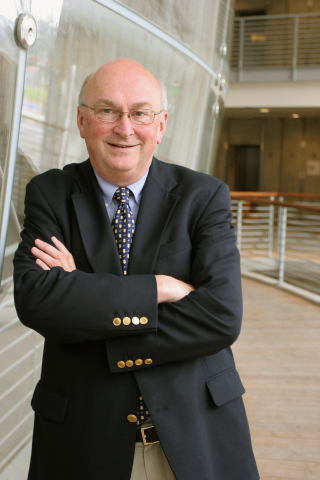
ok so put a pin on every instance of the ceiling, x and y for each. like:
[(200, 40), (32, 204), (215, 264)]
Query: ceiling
[(274, 112)]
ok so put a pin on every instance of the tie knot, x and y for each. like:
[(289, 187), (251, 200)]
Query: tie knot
[(122, 194)]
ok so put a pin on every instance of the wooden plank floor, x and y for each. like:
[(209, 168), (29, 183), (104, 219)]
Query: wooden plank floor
[(278, 357)]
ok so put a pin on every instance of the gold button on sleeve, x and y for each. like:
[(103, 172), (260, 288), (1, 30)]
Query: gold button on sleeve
[(126, 320), (129, 363), (135, 321), (121, 364), (143, 320), (132, 418), (148, 361), (138, 361), (117, 321)]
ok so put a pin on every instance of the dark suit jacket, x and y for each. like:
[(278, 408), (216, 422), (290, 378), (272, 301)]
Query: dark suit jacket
[(192, 389)]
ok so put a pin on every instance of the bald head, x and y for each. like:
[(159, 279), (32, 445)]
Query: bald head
[(124, 67)]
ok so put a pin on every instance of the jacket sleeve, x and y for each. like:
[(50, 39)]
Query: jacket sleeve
[(209, 318), (74, 307)]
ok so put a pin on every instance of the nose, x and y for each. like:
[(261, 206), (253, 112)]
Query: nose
[(123, 126)]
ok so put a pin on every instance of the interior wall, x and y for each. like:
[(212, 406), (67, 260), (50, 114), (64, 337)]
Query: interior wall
[(290, 145), (275, 7)]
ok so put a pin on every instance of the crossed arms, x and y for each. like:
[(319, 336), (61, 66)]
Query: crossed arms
[(68, 305), (169, 289)]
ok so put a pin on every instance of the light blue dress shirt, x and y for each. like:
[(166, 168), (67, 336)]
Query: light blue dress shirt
[(111, 203)]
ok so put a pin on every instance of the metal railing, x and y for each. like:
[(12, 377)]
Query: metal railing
[(278, 236), (288, 43)]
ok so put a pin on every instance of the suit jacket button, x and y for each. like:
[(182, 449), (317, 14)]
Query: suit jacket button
[(132, 418), (126, 320), (117, 321), (135, 321), (121, 364), (138, 361), (129, 363), (148, 361), (143, 320)]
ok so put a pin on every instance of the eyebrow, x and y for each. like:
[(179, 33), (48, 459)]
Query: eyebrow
[(105, 101)]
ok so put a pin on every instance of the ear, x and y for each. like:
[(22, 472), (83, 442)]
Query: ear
[(80, 120), (162, 126)]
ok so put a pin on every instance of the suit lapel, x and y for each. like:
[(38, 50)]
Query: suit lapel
[(94, 224), (157, 205)]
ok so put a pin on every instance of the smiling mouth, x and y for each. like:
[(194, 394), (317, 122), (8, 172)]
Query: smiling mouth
[(121, 146)]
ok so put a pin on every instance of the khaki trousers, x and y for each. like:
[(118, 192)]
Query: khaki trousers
[(150, 463)]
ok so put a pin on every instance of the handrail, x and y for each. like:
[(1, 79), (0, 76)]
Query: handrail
[(278, 243), (284, 45), (298, 206), (306, 196), (279, 15)]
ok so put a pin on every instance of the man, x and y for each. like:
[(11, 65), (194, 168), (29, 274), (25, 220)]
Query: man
[(141, 312)]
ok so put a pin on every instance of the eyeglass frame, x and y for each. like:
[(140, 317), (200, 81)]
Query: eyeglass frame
[(121, 113)]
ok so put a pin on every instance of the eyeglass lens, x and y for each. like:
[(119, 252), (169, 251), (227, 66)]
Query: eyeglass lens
[(110, 115)]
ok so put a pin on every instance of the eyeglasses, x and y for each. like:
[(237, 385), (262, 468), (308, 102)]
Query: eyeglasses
[(110, 115)]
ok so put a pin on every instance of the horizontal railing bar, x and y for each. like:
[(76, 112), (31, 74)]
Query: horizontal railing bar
[(18, 340), (281, 15), (255, 55), (310, 266), (266, 52), (304, 232), (16, 406), (16, 449), (267, 49), (296, 275), (284, 204), (258, 67), (308, 54), (25, 418), (268, 35), (237, 193)]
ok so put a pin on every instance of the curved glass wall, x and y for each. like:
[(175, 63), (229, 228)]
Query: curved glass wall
[(178, 41)]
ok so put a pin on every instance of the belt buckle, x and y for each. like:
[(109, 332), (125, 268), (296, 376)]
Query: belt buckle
[(144, 438)]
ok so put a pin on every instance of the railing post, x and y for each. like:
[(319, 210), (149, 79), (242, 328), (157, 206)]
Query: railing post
[(270, 229), (295, 47), (278, 227), (282, 245), (241, 46), (239, 224)]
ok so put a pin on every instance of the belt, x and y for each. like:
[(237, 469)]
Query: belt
[(147, 435)]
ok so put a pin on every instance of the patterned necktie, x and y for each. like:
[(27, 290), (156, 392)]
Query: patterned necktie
[(123, 228)]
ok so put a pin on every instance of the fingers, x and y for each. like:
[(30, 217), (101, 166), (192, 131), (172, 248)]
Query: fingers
[(42, 264), (53, 257), (60, 246), (47, 248), (45, 258), (171, 289)]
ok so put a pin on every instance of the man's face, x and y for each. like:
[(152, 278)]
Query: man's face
[(121, 152)]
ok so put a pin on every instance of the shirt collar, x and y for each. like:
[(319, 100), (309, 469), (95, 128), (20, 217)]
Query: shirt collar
[(108, 188)]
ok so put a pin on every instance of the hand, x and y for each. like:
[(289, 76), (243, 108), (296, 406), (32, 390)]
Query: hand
[(49, 257), (171, 290)]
